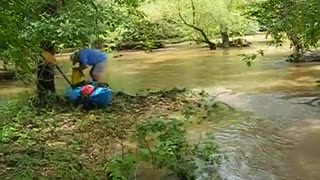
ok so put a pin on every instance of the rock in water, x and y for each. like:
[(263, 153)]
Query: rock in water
[(237, 43), (308, 57), (312, 57)]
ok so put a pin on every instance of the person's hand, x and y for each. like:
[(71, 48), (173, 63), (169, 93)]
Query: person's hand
[(79, 70)]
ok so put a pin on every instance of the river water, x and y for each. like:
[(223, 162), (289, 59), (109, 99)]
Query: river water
[(275, 137)]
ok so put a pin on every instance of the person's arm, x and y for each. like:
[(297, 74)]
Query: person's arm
[(82, 67), (83, 60), (49, 58)]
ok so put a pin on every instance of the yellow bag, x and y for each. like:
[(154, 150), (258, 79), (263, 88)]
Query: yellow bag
[(49, 58), (76, 76)]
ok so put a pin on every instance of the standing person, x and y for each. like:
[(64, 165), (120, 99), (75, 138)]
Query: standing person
[(90, 57), (45, 72)]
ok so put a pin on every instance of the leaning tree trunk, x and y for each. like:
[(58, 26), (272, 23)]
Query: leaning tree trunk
[(212, 45)]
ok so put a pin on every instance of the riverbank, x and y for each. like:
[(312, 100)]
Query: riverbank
[(64, 142), (192, 66)]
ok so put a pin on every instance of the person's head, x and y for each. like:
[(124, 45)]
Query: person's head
[(74, 57), (49, 47)]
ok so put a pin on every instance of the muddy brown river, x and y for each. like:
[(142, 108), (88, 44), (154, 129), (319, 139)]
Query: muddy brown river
[(274, 137)]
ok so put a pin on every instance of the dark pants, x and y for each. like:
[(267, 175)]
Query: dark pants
[(45, 81), (91, 74)]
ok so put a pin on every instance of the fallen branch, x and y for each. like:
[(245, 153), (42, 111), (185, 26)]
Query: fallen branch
[(310, 103)]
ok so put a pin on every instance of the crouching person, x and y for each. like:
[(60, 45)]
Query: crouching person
[(90, 57)]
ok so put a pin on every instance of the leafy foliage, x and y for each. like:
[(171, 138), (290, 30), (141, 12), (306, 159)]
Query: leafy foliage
[(249, 58), (72, 23), (112, 24), (290, 19), (169, 150), (64, 23), (122, 166), (210, 17)]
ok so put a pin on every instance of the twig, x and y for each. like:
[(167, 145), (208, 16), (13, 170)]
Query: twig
[(136, 167), (151, 153), (193, 13), (122, 148)]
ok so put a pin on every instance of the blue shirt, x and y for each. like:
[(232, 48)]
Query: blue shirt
[(91, 56)]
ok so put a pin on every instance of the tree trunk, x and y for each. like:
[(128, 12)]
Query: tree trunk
[(212, 46), (297, 53), (298, 49), (225, 39), (224, 36), (193, 13)]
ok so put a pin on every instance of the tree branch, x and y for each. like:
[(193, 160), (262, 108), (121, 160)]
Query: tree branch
[(193, 13), (206, 39)]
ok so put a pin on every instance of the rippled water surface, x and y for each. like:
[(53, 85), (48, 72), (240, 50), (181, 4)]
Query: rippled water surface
[(278, 140)]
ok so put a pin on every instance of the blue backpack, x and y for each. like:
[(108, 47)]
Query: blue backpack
[(100, 97)]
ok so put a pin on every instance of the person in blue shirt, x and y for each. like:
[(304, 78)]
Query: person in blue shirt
[(90, 57)]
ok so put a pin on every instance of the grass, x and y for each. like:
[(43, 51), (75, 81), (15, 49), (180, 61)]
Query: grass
[(63, 142)]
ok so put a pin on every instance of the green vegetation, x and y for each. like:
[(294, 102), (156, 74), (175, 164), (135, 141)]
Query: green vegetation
[(296, 21), (70, 143), (169, 150), (203, 20), (113, 25), (67, 24), (123, 24)]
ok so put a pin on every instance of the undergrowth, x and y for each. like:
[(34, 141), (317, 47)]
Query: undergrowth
[(170, 150), (61, 141)]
